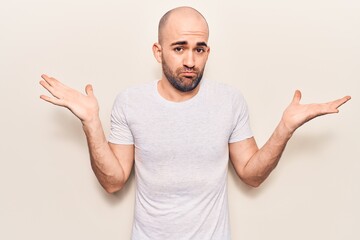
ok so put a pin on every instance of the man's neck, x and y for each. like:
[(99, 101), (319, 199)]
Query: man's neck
[(170, 93)]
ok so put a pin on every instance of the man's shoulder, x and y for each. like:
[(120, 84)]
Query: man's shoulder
[(136, 94)]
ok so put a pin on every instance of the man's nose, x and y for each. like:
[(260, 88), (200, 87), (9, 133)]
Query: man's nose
[(189, 60)]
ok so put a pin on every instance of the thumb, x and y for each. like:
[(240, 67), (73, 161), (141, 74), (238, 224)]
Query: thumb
[(89, 90), (297, 97)]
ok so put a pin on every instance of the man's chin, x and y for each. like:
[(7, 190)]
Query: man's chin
[(187, 85), (187, 81), (184, 83)]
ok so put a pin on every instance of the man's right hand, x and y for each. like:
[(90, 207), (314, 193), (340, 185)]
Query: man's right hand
[(111, 163), (85, 107)]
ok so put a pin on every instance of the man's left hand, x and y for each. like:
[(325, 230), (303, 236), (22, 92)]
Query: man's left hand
[(297, 114)]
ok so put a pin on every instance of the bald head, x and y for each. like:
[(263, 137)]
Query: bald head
[(194, 18)]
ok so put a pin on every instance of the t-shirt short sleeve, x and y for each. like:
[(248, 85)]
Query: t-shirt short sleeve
[(241, 122), (120, 132)]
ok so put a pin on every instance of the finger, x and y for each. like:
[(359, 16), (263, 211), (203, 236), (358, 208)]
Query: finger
[(339, 102), (46, 78), (297, 97), (89, 90), (49, 88), (50, 80), (45, 84), (55, 101)]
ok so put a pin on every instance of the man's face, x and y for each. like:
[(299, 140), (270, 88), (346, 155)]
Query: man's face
[(184, 53), (184, 78)]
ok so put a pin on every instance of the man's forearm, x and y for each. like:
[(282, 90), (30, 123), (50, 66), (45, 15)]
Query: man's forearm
[(104, 163), (262, 161), (266, 158)]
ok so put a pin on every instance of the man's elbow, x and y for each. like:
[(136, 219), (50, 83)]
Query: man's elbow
[(113, 188), (252, 179), (254, 182)]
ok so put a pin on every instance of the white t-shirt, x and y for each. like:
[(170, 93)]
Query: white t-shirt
[(181, 158)]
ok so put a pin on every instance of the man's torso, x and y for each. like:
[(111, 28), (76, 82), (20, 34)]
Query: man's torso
[(181, 160)]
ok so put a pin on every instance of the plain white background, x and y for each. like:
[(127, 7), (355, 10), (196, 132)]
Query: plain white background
[(267, 49)]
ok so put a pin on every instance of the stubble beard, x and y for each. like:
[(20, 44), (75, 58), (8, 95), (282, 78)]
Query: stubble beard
[(181, 83)]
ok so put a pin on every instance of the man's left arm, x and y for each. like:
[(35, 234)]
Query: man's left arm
[(253, 165)]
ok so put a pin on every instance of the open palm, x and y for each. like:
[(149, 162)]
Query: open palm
[(85, 107), (297, 114)]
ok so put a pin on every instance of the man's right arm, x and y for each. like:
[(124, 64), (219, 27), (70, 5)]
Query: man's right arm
[(111, 163)]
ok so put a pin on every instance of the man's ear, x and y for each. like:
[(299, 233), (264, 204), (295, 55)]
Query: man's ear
[(157, 51), (208, 52)]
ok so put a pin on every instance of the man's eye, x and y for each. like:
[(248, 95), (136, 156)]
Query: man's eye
[(200, 50), (178, 49)]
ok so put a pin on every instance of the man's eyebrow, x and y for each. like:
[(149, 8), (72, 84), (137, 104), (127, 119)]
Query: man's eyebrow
[(201, 44), (179, 43)]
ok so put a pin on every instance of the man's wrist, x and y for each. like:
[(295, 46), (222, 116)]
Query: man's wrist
[(91, 123), (284, 130)]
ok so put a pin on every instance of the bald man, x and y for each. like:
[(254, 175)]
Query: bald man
[(180, 131)]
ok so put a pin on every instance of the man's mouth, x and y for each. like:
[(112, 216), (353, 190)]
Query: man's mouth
[(188, 74)]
